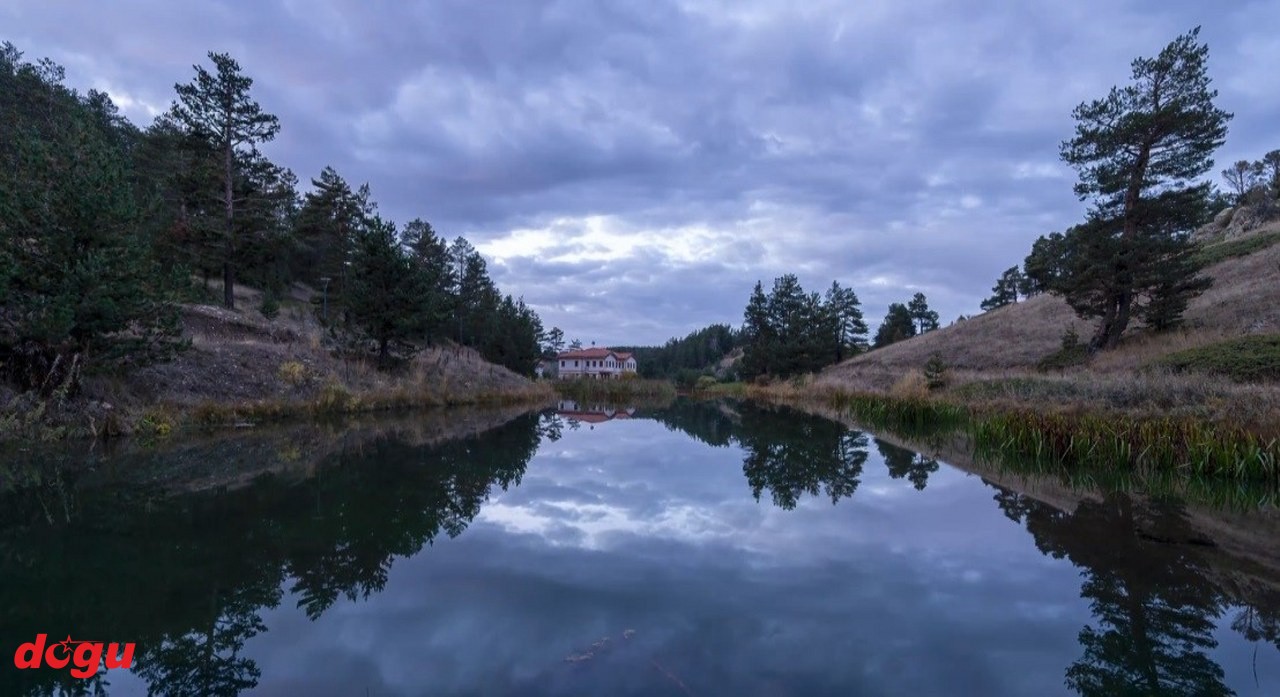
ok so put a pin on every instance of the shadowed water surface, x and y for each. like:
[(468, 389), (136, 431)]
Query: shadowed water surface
[(696, 549)]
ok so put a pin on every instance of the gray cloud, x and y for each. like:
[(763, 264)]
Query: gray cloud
[(896, 148)]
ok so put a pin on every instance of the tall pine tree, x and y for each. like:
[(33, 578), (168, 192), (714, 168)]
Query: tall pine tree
[(217, 108), (1140, 152)]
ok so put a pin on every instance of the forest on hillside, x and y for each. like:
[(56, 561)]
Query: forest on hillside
[(107, 226)]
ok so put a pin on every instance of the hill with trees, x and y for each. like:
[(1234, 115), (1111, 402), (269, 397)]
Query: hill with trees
[(109, 230)]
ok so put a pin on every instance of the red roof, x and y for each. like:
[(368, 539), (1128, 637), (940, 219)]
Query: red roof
[(594, 353)]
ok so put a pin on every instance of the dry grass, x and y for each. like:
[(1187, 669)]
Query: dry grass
[(1244, 299), (241, 367)]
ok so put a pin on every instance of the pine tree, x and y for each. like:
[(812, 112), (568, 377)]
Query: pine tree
[(758, 334), (898, 324), (1140, 152), (1006, 289), (79, 285), (216, 107), (850, 328), (429, 256), (384, 304), (926, 319), (326, 228)]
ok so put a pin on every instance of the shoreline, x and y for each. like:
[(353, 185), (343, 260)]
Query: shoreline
[(1079, 437), (89, 421)]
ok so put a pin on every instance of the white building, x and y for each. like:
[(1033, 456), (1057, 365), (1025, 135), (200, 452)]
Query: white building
[(595, 363)]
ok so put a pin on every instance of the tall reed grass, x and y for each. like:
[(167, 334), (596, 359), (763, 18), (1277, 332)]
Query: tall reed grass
[(614, 391), (1080, 442)]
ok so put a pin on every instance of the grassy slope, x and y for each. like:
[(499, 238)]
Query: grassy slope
[(1245, 298), (241, 367), (993, 356)]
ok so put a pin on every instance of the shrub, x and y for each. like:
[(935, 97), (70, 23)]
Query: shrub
[(935, 372), (1072, 353), (293, 372), (270, 307), (1246, 359), (705, 382)]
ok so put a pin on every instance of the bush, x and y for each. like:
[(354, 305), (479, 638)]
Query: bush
[(1072, 353), (270, 307), (293, 372), (705, 382), (935, 372), (1247, 359)]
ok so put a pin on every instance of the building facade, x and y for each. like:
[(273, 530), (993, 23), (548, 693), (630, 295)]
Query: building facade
[(595, 364)]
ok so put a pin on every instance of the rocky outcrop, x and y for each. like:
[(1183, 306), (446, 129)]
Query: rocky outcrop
[(1234, 223)]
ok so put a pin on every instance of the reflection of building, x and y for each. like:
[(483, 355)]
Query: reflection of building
[(595, 363), (594, 414)]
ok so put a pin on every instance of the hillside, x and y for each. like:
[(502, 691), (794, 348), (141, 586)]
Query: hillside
[(995, 355), (241, 368)]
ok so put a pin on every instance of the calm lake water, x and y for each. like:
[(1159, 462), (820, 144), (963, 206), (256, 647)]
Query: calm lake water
[(698, 549)]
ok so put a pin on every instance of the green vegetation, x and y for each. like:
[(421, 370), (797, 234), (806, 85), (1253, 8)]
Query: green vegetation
[(104, 226), (790, 332), (1244, 246), (615, 390), (897, 326), (1071, 441), (697, 353), (935, 372), (1246, 359), (1140, 153), (1072, 353), (1012, 283), (1090, 442), (1255, 183), (82, 285)]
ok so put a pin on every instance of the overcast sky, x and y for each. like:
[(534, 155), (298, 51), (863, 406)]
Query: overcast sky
[(633, 168)]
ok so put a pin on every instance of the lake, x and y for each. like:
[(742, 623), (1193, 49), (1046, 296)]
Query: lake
[(691, 549)]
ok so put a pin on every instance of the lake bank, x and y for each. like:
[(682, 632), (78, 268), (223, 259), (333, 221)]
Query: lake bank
[(1082, 435), (239, 369)]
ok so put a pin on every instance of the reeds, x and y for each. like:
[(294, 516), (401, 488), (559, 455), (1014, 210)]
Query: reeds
[(614, 391), (1083, 443), (1114, 442)]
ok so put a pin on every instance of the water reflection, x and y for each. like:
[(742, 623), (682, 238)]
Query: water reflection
[(913, 584), (1155, 595), (186, 578)]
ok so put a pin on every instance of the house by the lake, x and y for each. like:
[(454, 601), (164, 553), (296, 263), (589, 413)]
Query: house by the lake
[(595, 363)]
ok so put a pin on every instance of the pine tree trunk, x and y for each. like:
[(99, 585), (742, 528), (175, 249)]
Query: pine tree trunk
[(229, 250)]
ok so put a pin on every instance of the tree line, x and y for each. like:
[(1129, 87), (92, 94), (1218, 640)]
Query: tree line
[(688, 357), (104, 225), (789, 332)]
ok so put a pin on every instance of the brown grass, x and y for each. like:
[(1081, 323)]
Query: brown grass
[(993, 356), (1244, 299), (242, 367)]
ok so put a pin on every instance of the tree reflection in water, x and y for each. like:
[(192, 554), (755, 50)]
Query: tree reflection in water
[(1155, 596), (187, 577)]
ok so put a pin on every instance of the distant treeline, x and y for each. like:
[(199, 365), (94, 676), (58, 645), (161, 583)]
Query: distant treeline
[(104, 225), (687, 358)]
